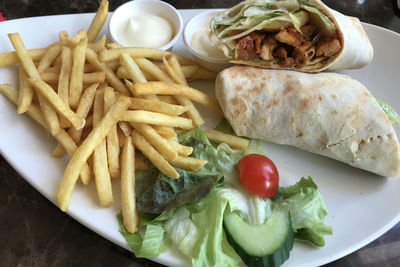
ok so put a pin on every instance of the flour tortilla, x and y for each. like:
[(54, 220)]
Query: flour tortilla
[(356, 51), (326, 113)]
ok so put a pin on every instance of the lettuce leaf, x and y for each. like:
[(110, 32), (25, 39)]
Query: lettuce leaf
[(157, 192), (389, 111), (210, 248), (324, 23), (149, 245), (307, 210)]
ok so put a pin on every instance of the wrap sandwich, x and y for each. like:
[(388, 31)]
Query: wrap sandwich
[(326, 113), (303, 35)]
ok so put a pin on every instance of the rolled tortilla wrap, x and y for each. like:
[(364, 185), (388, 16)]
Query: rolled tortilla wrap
[(249, 38), (326, 113)]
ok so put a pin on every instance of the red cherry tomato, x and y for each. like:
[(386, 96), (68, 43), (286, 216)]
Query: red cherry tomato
[(259, 175)]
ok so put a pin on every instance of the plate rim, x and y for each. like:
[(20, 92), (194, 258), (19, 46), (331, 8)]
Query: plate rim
[(72, 214)]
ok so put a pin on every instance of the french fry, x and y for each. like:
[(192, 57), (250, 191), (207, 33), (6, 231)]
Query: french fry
[(100, 166), (25, 95), (233, 141), (87, 147), (199, 74), (78, 63), (189, 70), (157, 106), (188, 163), (132, 69), (88, 78), (164, 131), (135, 52), (175, 71), (181, 149), (148, 150), (156, 140), (84, 106), (121, 137), (149, 117), (89, 121), (89, 67), (114, 81), (140, 52), (69, 145), (176, 76), (63, 80), (50, 115), (11, 58), (159, 74), (64, 38), (125, 128), (53, 70), (168, 99), (94, 77), (35, 113), (112, 137), (48, 111), (58, 151), (47, 92), (176, 89), (113, 45), (99, 45), (184, 61), (23, 56), (130, 86), (78, 37), (130, 213), (98, 21), (151, 68), (113, 65), (47, 59)]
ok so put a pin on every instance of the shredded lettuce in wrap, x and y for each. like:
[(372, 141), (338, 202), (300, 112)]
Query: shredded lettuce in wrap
[(267, 15), (389, 111)]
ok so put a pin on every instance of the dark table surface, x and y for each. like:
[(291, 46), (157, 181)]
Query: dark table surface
[(33, 232)]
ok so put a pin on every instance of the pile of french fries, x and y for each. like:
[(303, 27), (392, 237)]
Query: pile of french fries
[(101, 102)]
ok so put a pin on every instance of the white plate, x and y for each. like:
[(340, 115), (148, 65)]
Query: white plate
[(362, 206)]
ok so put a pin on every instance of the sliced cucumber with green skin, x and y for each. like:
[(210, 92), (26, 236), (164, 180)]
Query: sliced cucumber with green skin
[(264, 245)]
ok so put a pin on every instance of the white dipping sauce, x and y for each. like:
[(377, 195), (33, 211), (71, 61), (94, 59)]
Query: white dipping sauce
[(146, 30), (202, 43)]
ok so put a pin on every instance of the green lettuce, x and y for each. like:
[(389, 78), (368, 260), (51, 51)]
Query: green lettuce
[(389, 111), (195, 227), (157, 193), (152, 242), (267, 15), (307, 210), (324, 23)]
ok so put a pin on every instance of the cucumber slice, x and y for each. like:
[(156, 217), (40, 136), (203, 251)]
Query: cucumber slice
[(264, 245)]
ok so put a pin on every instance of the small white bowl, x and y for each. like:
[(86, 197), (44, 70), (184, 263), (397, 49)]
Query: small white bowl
[(155, 7), (193, 25)]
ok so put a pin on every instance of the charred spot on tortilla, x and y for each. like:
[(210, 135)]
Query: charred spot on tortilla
[(288, 88), (303, 103), (300, 134), (240, 106), (272, 103)]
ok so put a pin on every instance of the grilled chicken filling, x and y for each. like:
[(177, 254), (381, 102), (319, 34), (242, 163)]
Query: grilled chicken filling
[(288, 47)]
